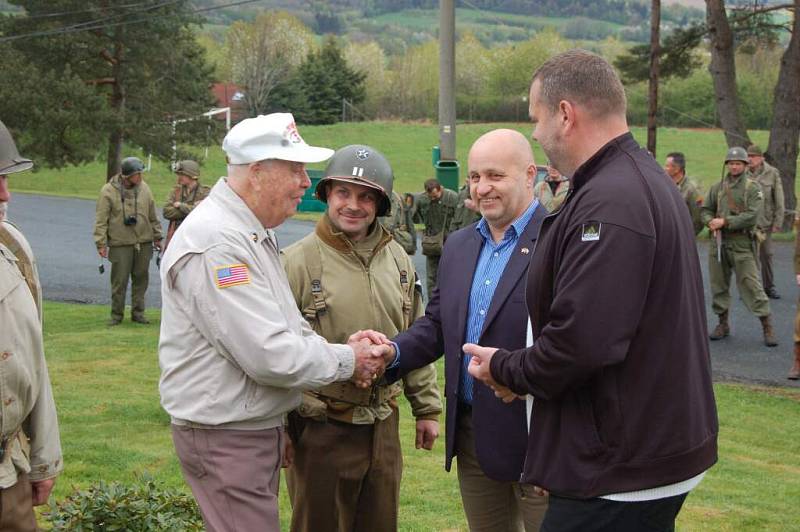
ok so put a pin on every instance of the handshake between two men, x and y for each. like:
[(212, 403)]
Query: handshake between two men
[(374, 351)]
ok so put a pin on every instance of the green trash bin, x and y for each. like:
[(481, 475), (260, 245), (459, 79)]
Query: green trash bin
[(447, 174), (436, 155), (309, 202)]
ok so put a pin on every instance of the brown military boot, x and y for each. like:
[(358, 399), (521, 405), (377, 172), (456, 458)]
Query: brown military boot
[(722, 329), (769, 334), (794, 373)]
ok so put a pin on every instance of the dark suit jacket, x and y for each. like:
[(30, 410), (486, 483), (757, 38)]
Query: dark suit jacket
[(500, 429)]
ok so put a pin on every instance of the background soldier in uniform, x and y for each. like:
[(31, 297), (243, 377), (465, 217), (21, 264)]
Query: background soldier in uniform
[(126, 229), (675, 167), (188, 192), (399, 222), (30, 448), (349, 275), (770, 218), (731, 207), (794, 373), (553, 190), (435, 209), (465, 213)]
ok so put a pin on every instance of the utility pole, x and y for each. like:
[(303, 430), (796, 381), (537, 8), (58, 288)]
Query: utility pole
[(655, 51), (447, 75)]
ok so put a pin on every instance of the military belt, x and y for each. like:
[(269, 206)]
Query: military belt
[(350, 393)]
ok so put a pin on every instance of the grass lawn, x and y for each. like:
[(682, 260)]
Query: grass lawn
[(112, 428), (407, 146)]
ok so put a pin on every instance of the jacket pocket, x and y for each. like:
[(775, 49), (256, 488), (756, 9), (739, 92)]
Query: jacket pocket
[(591, 432)]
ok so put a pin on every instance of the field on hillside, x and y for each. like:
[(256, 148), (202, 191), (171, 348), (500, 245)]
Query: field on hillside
[(407, 146), (105, 384)]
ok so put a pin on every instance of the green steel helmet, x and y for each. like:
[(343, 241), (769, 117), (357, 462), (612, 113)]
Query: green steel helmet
[(131, 166), (188, 168), (737, 153), (361, 165), (10, 159)]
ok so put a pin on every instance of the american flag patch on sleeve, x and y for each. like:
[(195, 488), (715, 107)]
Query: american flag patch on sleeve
[(232, 275)]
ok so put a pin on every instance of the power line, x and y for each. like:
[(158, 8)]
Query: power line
[(103, 24), (78, 12)]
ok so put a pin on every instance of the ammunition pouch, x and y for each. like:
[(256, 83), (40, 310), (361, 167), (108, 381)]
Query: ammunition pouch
[(759, 235), (347, 392)]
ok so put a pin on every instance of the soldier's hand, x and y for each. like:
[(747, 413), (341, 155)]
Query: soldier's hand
[(427, 432), (103, 252), (41, 491), (157, 244), (288, 452), (716, 223)]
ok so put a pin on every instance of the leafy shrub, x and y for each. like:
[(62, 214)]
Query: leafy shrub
[(142, 507)]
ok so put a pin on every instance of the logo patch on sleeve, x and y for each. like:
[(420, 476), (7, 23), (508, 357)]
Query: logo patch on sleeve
[(232, 275), (590, 231)]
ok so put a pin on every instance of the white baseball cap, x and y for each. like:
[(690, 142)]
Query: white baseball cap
[(272, 136)]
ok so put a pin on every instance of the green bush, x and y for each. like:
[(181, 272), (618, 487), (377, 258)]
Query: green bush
[(142, 507)]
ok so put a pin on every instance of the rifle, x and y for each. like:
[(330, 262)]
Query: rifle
[(718, 238)]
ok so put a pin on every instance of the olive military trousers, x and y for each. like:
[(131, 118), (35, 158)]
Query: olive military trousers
[(129, 262), (765, 258), (345, 477), (16, 507), (431, 270), (738, 257)]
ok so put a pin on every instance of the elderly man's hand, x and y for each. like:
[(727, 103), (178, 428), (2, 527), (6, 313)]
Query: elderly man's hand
[(41, 490), (369, 362)]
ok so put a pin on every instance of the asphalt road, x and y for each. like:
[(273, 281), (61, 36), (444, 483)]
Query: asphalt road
[(60, 232)]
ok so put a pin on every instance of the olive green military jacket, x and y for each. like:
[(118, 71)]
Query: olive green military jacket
[(188, 200), (400, 224), (361, 288), (694, 201), (772, 210), (436, 215), (109, 229), (738, 200), (28, 413), (463, 215), (544, 194)]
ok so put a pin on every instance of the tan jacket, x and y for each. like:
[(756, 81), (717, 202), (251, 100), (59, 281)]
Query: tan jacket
[(25, 393), (109, 229), (694, 201), (188, 200), (362, 288), (772, 210), (234, 350), (544, 194)]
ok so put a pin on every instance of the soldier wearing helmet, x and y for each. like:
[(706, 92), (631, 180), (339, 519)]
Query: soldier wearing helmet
[(731, 208), (350, 274), (770, 219), (186, 195), (126, 229), (30, 447)]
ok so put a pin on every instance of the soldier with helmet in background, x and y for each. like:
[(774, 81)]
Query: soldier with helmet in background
[(188, 192), (730, 210), (349, 275), (770, 219), (126, 229), (30, 447)]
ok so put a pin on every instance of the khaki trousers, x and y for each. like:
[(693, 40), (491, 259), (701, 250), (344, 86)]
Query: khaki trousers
[(491, 505), (16, 507), (129, 262), (234, 476), (345, 477)]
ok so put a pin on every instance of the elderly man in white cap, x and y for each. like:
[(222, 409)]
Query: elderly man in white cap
[(235, 353)]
